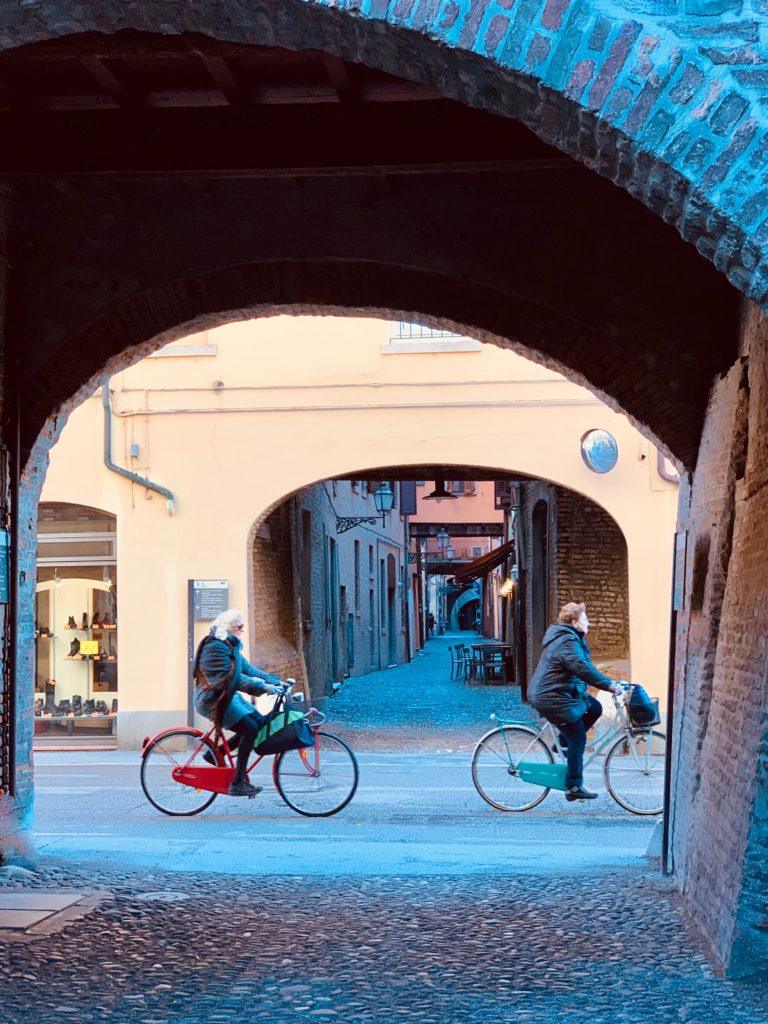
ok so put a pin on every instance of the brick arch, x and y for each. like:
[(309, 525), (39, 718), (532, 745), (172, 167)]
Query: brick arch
[(633, 94), (156, 316)]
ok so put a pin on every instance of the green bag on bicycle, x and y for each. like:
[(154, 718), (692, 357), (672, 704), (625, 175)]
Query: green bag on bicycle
[(284, 730)]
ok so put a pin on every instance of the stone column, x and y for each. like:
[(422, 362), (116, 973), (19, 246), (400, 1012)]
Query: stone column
[(16, 700)]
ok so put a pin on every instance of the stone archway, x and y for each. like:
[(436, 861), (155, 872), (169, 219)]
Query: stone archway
[(629, 92), (464, 599), (632, 95)]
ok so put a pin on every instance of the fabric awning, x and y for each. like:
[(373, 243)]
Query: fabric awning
[(483, 565)]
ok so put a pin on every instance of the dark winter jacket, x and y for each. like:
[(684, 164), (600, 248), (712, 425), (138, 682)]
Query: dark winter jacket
[(216, 659), (557, 689)]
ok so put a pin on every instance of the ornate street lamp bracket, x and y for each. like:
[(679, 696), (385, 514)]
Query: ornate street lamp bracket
[(344, 523)]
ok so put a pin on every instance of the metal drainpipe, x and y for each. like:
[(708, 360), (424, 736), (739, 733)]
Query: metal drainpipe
[(135, 477), (672, 478)]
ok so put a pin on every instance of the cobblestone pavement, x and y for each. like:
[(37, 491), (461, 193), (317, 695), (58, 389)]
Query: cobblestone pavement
[(567, 946), (566, 949), (418, 706)]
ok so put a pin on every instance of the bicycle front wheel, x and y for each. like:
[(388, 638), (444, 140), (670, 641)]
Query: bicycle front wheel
[(494, 767), (182, 748), (634, 771), (317, 781)]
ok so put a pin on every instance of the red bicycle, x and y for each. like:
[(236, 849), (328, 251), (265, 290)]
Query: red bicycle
[(177, 779)]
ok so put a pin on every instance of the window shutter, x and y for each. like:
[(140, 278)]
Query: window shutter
[(408, 497)]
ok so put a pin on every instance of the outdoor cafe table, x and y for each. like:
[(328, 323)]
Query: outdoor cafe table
[(489, 658)]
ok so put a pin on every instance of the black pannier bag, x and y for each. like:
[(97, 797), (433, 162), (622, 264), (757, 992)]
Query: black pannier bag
[(643, 710), (285, 730)]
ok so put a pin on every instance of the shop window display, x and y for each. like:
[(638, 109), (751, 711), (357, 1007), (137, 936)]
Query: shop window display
[(76, 639)]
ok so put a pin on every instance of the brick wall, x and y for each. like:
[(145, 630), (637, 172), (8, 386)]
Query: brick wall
[(274, 621), (720, 785), (586, 561), (591, 560), (298, 619)]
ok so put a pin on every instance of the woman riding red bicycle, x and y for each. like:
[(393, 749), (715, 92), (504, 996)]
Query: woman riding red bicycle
[(222, 674)]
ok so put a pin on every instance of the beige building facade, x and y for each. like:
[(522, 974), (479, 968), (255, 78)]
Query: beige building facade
[(233, 422)]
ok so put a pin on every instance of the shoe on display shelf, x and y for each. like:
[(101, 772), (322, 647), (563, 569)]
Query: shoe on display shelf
[(39, 705), (74, 650), (89, 707), (112, 652), (114, 706), (101, 708), (71, 624), (84, 624)]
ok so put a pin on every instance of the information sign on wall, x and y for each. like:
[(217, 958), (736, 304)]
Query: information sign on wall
[(211, 597)]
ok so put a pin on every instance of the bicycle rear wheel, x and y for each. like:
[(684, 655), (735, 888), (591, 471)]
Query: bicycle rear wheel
[(317, 781), (177, 749), (494, 767), (634, 771)]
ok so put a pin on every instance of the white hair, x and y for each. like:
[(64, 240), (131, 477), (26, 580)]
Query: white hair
[(222, 622)]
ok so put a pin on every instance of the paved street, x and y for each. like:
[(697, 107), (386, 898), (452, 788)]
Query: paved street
[(418, 902)]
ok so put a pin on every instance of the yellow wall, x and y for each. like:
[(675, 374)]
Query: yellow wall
[(284, 402)]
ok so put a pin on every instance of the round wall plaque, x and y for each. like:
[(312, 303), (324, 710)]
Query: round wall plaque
[(599, 451)]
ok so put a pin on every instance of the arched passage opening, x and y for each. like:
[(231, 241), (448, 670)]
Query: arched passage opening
[(102, 326), (364, 470)]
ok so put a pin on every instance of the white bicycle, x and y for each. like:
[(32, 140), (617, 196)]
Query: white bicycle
[(515, 765)]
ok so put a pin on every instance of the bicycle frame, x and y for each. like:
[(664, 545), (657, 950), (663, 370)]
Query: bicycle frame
[(548, 733), (217, 779)]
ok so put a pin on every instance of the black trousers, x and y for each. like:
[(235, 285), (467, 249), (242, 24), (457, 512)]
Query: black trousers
[(246, 730), (576, 734)]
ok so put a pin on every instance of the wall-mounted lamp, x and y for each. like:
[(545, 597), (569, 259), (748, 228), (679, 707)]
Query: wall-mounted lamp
[(383, 499), (507, 587), (106, 579), (57, 580)]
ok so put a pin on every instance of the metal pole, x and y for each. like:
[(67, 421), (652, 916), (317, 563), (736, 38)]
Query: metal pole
[(190, 651)]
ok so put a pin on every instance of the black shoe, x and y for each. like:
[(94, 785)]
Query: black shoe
[(84, 624), (89, 706), (101, 707), (114, 706), (244, 789), (579, 793), (74, 649), (210, 757), (71, 624)]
